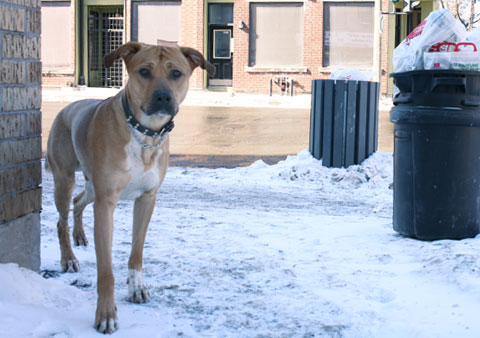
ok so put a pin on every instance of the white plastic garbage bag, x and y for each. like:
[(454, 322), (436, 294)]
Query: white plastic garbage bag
[(448, 60), (464, 56), (439, 26), (474, 36), (439, 60)]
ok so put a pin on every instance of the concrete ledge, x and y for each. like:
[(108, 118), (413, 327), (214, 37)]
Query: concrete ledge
[(276, 69), (20, 241)]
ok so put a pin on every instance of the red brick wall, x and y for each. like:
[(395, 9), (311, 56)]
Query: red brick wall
[(384, 57), (243, 81), (192, 34), (312, 52)]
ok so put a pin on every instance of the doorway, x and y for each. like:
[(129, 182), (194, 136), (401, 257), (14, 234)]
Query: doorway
[(105, 34), (220, 43)]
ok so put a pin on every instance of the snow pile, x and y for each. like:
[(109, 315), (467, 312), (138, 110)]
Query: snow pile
[(369, 183), (373, 173), (33, 306), (290, 250), (24, 286)]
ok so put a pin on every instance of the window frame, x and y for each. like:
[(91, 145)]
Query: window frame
[(331, 68), (229, 57), (277, 68), (134, 15)]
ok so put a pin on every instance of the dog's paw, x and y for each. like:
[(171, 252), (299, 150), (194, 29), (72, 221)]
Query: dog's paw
[(140, 295), (107, 326), (137, 291), (106, 320), (70, 264), (79, 238)]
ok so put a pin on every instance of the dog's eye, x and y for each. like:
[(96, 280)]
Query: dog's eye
[(175, 74), (145, 73)]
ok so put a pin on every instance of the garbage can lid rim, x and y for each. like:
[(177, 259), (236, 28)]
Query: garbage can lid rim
[(436, 71)]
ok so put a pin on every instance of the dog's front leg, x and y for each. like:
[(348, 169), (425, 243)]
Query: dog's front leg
[(142, 212), (106, 316)]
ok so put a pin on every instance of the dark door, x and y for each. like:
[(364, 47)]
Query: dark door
[(220, 46)]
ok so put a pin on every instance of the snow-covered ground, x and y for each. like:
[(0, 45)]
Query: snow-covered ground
[(290, 250)]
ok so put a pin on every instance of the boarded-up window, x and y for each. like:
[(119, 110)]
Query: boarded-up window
[(276, 34), (57, 43), (348, 34), (153, 21)]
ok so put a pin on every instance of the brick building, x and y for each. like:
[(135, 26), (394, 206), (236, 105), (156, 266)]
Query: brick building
[(20, 129), (249, 41)]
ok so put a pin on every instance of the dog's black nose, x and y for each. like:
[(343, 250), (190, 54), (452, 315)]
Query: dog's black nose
[(162, 102), (163, 96)]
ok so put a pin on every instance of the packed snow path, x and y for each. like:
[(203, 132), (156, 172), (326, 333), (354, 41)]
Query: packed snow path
[(291, 250)]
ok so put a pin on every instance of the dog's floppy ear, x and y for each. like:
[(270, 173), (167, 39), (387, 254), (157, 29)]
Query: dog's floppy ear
[(124, 51), (196, 59)]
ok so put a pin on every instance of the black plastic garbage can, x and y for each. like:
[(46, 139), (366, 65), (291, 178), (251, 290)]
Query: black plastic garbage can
[(343, 121), (437, 154)]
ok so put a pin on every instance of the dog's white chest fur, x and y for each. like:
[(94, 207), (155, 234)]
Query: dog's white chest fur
[(141, 181)]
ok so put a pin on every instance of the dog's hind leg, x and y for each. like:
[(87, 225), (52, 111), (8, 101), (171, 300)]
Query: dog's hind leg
[(63, 195), (80, 201), (62, 161)]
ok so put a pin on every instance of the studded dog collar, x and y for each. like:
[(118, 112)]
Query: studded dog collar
[(134, 125)]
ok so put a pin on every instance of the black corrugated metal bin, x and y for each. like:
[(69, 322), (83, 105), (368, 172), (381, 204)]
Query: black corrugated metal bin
[(436, 192), (343, 121)]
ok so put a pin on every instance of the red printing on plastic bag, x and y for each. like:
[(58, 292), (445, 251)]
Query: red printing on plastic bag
[(438, 47), (457, 49), (416, 32), (456, 46)]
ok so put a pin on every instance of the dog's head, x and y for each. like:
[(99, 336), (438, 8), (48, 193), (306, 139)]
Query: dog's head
[(158, 75)]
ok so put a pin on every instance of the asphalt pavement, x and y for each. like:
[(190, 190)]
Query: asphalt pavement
[(224, 129)]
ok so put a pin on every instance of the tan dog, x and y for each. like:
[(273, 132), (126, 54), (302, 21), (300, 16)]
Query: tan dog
[(122, 157)]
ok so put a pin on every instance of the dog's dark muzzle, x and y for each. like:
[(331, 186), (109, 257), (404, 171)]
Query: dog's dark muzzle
[(162, 102)]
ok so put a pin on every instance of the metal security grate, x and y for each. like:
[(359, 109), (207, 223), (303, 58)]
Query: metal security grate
[(105, 35)]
